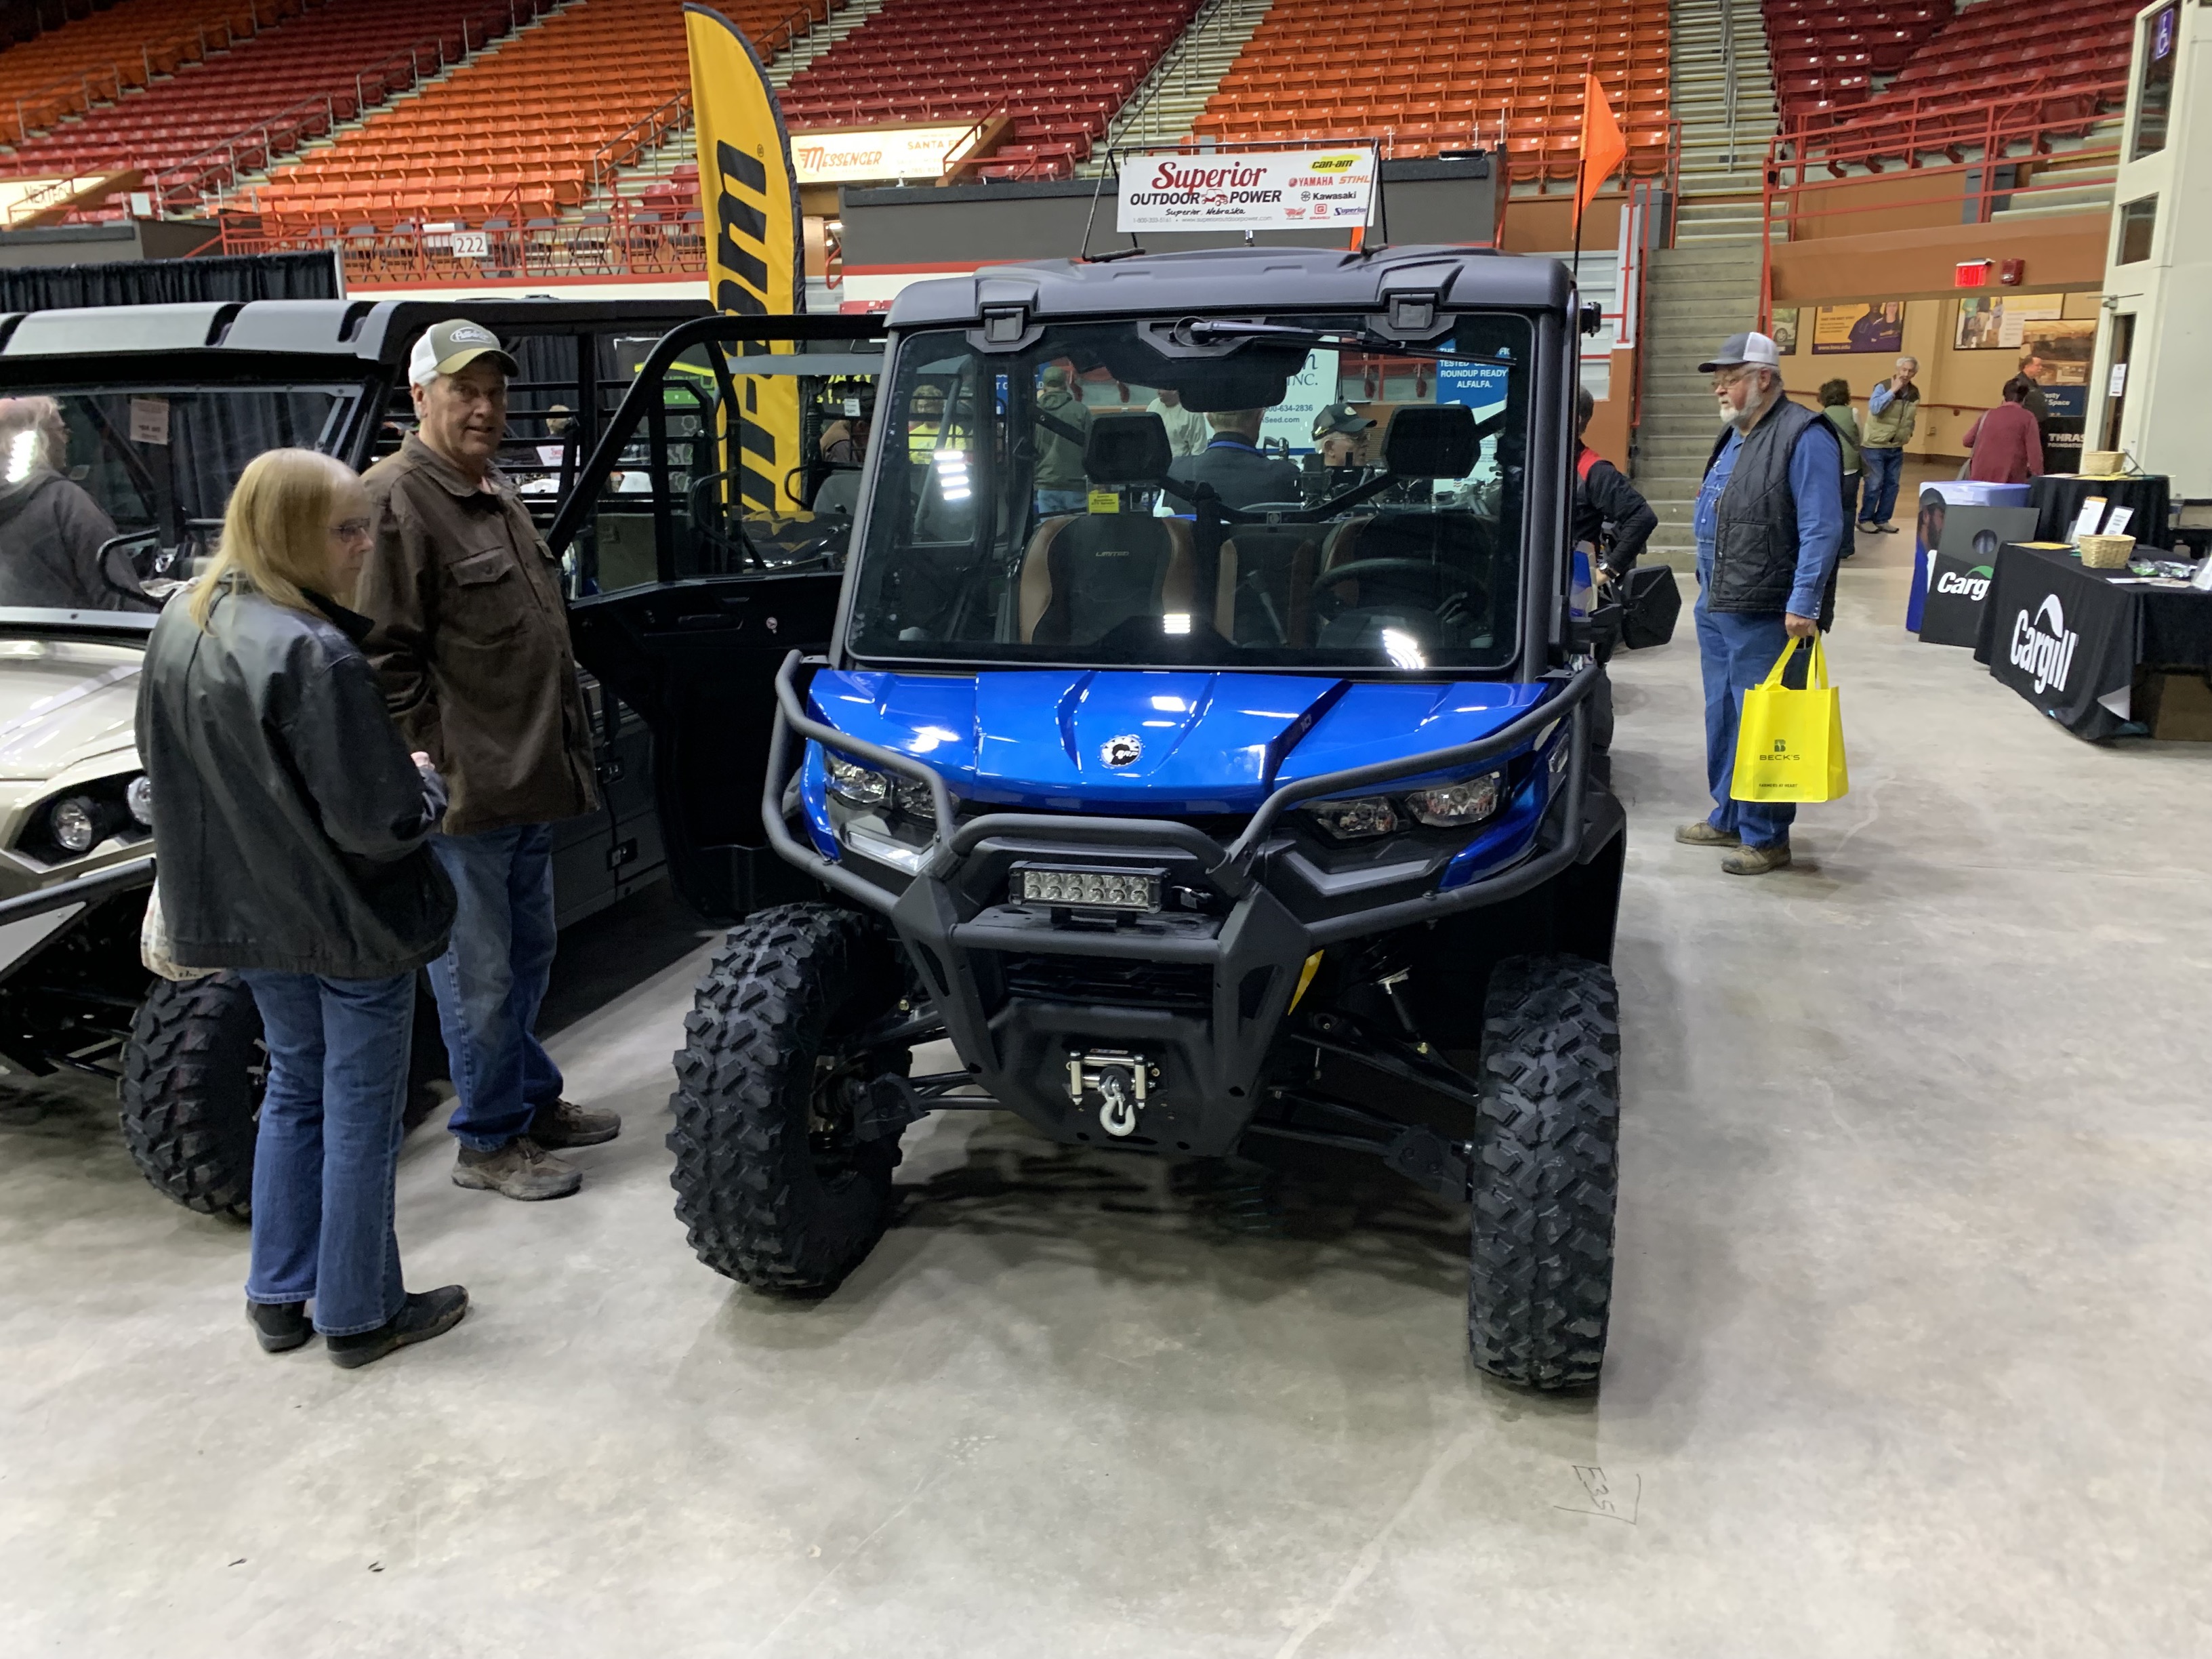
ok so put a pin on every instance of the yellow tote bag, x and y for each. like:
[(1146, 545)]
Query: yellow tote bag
[(1790, 745)]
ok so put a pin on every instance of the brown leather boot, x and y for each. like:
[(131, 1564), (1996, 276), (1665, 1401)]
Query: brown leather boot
[(565, 1124), (522, 1170), (1757, 860), (1702, 833)]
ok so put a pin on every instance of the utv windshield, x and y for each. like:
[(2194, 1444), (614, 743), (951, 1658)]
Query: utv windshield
[(158, 460), (1280, 511)]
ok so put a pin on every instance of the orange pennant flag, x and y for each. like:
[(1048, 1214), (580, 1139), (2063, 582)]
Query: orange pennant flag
[(1603, 148)]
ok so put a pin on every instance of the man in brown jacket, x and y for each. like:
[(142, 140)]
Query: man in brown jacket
[(472, 641)]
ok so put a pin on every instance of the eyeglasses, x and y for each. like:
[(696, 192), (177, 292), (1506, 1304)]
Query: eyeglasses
[(351, 529), (1728, 377)]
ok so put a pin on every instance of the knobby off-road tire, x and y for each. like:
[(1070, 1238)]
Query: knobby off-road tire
[(191, 1095), (773, 1192), (1547, 1172)]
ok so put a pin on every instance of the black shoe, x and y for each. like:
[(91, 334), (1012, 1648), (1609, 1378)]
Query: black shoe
[(280, 1327), (427, 1314)]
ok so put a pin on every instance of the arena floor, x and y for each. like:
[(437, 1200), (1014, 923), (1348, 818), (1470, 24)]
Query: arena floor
[(1908, 1355)]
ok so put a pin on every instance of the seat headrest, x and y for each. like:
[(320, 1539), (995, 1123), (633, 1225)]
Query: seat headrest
[(1430, 440), (1125, 449)]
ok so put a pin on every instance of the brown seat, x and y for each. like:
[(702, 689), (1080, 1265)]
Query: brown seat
[(1267, 575), (1085, 573)]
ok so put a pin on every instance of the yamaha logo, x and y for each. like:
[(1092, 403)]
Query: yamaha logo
[(1123, 750), (2044, 647)]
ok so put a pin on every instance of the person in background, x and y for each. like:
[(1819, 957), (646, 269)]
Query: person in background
[(1836, 404), (926, 422), (1610, 512), (1882, 438), (471, 641), (1339, 435), (1769, 524), (2006, 441), (550, 453), (51, 529), (1233, 465), (1188, 431), (295, 833), (1063, 434), (2035, 371)]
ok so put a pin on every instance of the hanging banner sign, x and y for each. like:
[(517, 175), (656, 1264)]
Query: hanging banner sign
[(882, 153), (1273, 190)]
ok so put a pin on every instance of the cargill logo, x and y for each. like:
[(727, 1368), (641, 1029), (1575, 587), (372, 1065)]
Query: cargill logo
[(1974, 584), (2044, 647)]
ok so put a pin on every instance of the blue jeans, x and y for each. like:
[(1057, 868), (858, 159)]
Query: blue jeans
[(329, 1146), (1850, 507), (1050, 503), (1737, 650), (492, 979), (1883, 470)]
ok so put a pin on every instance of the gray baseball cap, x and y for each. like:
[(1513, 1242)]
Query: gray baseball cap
[(1741, 348), (450, 347)]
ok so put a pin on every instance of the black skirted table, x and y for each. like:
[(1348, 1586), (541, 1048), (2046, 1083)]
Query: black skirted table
[(2058, 496), (2070, 639)]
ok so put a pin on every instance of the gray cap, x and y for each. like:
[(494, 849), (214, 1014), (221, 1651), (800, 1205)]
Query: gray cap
[(1741, 348)]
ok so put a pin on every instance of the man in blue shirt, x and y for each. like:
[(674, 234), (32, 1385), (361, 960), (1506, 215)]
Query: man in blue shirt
[(1770, 525)]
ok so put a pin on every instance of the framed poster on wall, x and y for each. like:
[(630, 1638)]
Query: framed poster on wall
[(1997, 322), (1785, 334), (1878, 326)]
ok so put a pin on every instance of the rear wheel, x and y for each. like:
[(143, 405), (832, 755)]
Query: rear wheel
[(774, 1189), (1547, 1172), (191, 1095)]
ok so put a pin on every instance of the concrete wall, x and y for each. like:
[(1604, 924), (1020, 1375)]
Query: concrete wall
[(2063, 251)]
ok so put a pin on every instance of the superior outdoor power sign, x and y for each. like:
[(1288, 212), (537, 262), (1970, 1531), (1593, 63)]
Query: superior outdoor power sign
[(1273, 190)]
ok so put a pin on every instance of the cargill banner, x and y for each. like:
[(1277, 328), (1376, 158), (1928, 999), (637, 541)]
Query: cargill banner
[(755, 251)]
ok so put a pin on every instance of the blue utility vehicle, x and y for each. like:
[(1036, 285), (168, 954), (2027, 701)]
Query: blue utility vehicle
[(1202, 800)]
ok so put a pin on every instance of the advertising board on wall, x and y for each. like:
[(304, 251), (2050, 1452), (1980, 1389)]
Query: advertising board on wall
[(879, 153), (1878, 326), (1272, 190)]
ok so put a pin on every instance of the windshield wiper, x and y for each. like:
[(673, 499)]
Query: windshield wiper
[(1200, 331)]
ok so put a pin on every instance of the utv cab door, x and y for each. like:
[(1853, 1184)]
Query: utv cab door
[(705, 539)]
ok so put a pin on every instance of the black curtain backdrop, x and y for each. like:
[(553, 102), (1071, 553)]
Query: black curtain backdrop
[(171, 282)]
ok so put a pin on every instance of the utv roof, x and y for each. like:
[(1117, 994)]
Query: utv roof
[(1244, 279), (342, 330)]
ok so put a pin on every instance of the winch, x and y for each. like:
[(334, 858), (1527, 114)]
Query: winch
[(1118, 1077)]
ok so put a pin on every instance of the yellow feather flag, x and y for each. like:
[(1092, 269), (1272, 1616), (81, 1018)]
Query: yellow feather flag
[(755, 250)]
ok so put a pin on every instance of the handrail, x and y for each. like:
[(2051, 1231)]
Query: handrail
[(605, 164)]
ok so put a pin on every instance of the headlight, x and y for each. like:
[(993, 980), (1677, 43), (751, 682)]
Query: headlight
[(138, 796), (75, 824), (1453, 804), (1356, 819), (863, 786)]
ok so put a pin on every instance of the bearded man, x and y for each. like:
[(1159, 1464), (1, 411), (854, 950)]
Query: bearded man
[(1770, 525)]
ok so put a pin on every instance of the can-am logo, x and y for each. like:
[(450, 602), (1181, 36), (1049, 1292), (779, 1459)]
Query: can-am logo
[(1974, 584), (2043, 649)]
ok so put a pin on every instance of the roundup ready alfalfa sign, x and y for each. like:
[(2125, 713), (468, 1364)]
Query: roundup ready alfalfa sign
[(1273, 190)]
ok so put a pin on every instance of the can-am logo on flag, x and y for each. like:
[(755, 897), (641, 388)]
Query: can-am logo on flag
[(2044, 647), (1269, 191)]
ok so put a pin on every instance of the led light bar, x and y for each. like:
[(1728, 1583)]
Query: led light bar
[(1087, 889)]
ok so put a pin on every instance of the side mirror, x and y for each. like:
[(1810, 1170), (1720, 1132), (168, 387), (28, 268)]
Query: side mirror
[(1430, 440), (139, 548), (1127, 449)]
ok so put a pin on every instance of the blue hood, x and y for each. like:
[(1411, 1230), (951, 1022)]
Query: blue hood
[(1205, 742)]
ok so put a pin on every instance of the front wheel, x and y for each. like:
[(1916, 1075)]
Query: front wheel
[(1547, 1172), (190, 1100), (774, 1186)]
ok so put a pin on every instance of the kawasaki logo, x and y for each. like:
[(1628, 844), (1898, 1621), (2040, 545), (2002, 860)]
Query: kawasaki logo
[(2043, 649), (1975, 584)]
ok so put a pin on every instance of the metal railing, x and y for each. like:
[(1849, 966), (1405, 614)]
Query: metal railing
[(620, 239), (1816, 181), (648, 132), (1137, 121)]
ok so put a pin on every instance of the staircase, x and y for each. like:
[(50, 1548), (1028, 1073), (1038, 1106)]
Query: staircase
[(1704, 288), (2053, 195), (1162, 109)]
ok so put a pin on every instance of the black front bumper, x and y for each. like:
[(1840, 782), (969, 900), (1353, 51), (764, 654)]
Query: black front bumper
[(1196, 1000)]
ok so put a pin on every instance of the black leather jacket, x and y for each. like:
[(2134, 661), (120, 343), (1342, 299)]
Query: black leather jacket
[(290, 821)]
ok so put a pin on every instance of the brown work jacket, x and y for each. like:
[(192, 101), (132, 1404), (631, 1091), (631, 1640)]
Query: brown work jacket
[(472, 643)]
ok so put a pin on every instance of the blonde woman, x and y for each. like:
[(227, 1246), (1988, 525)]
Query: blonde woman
[(51, 530), (294, 825)]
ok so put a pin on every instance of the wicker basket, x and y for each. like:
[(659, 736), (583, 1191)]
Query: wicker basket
[(2106, 552), (2100, 463)]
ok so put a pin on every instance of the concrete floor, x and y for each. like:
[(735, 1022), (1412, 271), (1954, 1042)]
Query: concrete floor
[(1909, 1357)]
